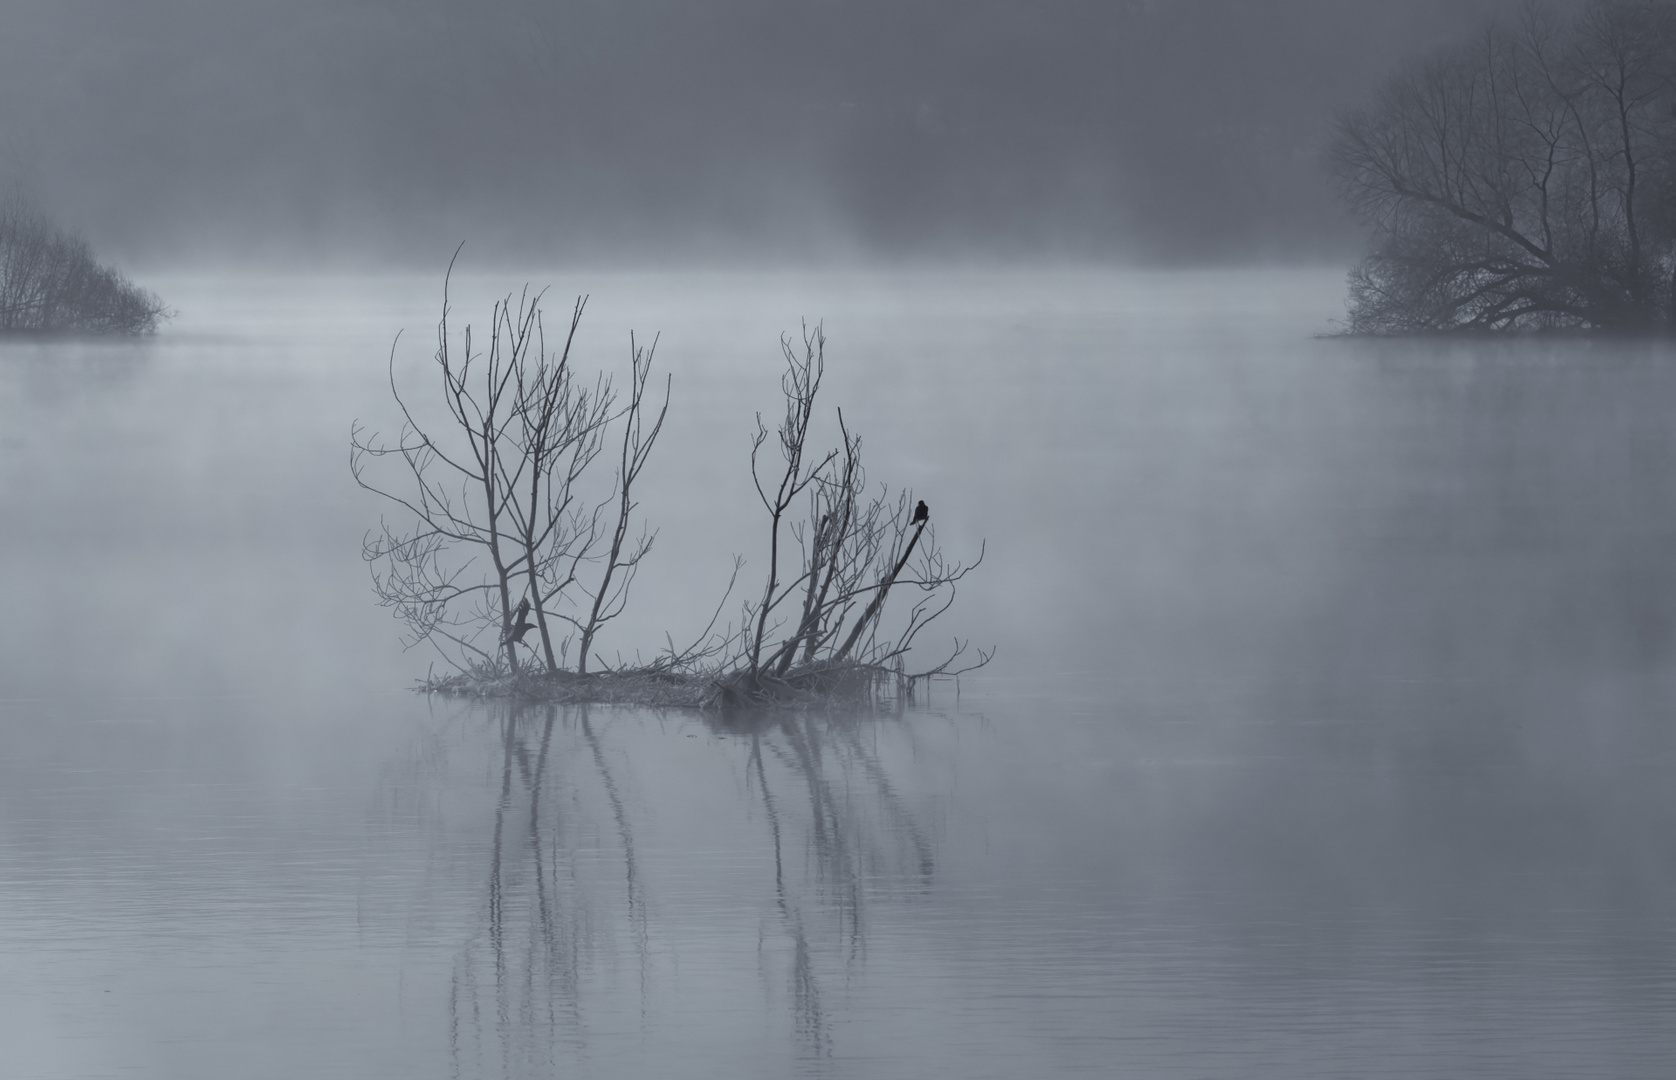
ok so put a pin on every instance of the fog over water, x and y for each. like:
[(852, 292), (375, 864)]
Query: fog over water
[(1329, 728), (642, 131), (1328, 733)]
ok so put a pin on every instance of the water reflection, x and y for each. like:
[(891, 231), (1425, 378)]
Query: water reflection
[(578, 945), (1373, 779), (545, 952)]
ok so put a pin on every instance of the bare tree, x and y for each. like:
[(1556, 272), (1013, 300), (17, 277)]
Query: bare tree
[(1507, 180), (50, 281), (500, 526)]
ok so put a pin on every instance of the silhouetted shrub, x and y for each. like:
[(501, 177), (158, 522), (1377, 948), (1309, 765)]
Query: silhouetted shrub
[(49, 281), (500, 524), (1522, 180)]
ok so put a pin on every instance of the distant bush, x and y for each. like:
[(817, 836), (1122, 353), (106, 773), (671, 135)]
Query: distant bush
[(49, 281), (1522, 180)]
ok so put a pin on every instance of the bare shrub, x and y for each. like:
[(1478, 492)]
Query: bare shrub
[(50, 282), (502, 536), (500, 524), (1520, 180), (820, 626)]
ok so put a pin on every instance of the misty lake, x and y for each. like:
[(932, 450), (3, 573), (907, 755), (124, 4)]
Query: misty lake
[(1331, 732)]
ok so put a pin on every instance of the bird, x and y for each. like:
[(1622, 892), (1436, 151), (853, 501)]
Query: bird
[(520, 623), (922, 512)]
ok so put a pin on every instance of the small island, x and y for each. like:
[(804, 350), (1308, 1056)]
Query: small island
[(513, 550)]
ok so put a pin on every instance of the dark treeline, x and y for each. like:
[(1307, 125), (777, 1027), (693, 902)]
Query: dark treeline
[(1164, 129), (1523, 179), (51, 283)]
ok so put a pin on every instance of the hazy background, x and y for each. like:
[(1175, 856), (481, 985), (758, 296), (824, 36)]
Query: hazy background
[(640, 131), (1329, 732)]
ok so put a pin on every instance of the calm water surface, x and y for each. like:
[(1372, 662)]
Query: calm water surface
[(1330, 735)]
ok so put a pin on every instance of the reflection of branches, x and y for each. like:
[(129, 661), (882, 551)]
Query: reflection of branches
[(892, 802), (535, 977), (835, 867), (822, 755), (810, 1022), (625, 833), (836, 819)]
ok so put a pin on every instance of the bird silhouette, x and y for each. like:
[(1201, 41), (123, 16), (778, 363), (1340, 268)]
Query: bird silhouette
[(922, 512), (520, 623)]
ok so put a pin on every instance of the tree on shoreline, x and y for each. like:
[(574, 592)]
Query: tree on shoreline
[(1526, 180), (51, 283)]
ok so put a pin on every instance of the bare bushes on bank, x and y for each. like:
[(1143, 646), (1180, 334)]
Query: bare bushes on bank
[(510, 551), (1522, 180), (51, 283)]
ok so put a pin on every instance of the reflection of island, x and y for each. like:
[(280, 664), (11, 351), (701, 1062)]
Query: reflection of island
[(591, 910)]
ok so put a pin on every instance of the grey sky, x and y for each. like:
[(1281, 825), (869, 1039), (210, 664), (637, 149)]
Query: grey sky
[(634, 130)]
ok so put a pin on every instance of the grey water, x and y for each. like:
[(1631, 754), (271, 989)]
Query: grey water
[(1330, 732)]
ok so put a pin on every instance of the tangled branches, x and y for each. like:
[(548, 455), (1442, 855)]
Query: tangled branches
[(505, 535), (1522, 180), (50, 281), (821, 618), (501, 522)]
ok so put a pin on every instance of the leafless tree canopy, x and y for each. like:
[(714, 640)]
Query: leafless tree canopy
[(497, 524), (503, 551), (50, 282), (1526, 179), (833, 566)]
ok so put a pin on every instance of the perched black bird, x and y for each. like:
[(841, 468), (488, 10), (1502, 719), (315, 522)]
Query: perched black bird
[(922, 512), (520, 623)]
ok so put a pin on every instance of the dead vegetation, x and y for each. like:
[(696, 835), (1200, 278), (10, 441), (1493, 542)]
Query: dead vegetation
[(50, 282), (509, 554), (847, 685), (1522, 180)]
